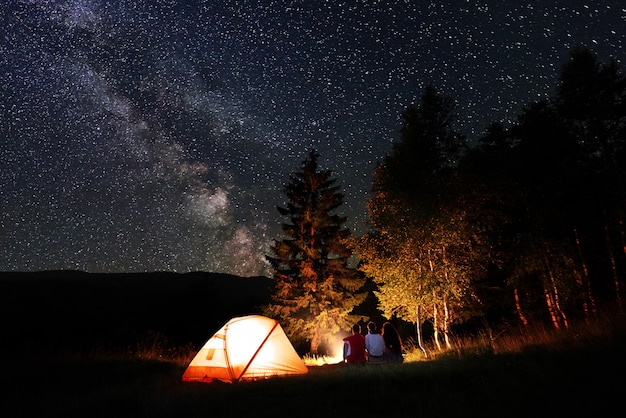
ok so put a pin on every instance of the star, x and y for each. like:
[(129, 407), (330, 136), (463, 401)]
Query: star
[(140, 137)]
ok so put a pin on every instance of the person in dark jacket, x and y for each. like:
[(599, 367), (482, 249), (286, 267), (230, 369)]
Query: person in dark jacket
[(393, 343)]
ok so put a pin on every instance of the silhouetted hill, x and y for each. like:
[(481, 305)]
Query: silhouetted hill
[(54, 311)]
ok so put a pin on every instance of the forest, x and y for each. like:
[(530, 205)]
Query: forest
[(525, 227)]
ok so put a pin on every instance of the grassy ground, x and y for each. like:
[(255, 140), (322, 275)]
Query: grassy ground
[(582, 379), (104, 347)]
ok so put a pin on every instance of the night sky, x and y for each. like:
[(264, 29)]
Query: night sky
[(157, 135)]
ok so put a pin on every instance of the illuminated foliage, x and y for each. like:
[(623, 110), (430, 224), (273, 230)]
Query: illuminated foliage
[(528, 226), (425, 246), (316, 288)]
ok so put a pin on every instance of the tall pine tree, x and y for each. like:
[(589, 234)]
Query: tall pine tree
[(316, 288)]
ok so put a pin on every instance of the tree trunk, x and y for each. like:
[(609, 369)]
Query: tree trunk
[(585, 282), (315, 342), (618, 294), (609, 248), (518, 308), (551, 309), (446, 322), (585, 302), (555, 295), (436, 325), (420, 340)]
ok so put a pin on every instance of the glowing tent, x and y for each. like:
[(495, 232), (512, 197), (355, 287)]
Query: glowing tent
[(247, 347)]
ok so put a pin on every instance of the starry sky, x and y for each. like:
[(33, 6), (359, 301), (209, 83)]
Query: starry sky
[(144, 135)]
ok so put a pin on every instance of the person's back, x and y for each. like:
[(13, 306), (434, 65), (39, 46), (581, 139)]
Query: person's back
[(354, 347), (374, 344), (393, 342)]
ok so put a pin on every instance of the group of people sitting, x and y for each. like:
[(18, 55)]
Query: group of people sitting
[(375, 347)]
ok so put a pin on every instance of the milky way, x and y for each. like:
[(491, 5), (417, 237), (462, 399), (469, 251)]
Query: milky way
[(158, 135)]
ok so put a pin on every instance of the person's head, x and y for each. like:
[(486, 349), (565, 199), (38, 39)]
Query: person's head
[(371, 326), (356, 329)]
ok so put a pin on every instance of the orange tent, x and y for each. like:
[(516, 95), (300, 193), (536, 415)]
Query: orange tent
[(247, 347)]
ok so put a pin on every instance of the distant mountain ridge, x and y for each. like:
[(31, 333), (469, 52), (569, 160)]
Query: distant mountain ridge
[(51, 309)]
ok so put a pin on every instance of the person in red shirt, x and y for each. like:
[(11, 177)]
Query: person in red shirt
[(354, 347)]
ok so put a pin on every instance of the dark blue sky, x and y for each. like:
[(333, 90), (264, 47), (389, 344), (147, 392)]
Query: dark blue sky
[(142, 137)]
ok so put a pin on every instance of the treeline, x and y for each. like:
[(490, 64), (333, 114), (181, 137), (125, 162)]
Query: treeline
[(47, 313), (525, 227)]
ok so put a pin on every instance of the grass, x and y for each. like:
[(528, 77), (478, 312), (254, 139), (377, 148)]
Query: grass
[(576, 372)]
